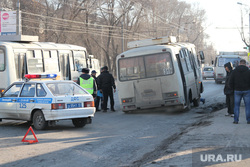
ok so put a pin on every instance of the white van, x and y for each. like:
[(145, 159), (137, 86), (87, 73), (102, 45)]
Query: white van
[(219, 70), (159, 73)]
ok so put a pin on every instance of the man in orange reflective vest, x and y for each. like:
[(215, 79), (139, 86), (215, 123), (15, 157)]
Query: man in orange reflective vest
[(87, 82)]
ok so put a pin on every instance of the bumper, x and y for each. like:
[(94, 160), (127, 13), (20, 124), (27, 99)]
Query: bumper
[(170, 103), (69, 113)]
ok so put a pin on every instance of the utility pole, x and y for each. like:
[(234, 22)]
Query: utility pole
[(18, 18), (122, 36)]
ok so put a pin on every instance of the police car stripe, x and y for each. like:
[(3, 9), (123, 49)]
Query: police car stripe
[(26, 100)]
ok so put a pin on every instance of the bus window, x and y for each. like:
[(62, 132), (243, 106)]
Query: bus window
[(34, 62), (131, 68), (50, 62), (224, 60), (183, 62), (2, 60), (158, 65), (80, 60), (188, 59), (71, 62), (196, 60)]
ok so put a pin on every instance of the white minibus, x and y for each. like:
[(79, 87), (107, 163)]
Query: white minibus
[(20, 56), (159, 73), (219, 70)]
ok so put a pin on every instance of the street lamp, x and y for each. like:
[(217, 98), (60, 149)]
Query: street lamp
[(239, 3)]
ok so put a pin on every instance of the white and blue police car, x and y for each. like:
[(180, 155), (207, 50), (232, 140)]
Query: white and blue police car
[(44, 102)]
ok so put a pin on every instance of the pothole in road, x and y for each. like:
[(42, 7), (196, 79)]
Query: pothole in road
[(210, 108)]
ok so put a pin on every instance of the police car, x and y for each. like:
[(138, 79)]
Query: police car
[(44, 102)]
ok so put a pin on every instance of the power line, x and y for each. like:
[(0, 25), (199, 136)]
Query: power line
[(81, 23)]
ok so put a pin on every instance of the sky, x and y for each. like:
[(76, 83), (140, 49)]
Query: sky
[(223, 22)]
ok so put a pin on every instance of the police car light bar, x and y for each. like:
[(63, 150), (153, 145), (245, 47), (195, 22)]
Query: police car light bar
[(37, 76), (154, 41)]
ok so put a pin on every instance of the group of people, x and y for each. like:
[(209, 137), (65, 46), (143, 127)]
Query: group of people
[(237, 86), (100, 87)]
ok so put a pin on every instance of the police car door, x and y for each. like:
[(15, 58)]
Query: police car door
[(26, 101), (8, 102)]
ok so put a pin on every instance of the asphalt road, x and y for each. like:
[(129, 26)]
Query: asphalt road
[(113, 138)]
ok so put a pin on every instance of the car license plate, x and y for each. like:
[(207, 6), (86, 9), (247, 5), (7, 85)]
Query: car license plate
[(74, 105)]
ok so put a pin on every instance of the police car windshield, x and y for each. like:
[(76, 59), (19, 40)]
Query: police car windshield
[(65, 88)]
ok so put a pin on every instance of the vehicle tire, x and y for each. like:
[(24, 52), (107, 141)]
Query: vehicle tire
[(196, 102), (39, 121), (79, 122)]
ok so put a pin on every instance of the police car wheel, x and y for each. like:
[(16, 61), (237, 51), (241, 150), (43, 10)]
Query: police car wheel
[(39, 120), (79, 122)]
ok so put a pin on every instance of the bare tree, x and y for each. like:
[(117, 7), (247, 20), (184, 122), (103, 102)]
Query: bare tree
[(102, 26)]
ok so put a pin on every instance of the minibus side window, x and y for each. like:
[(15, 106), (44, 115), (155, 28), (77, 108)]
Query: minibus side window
[(50, 61), (34, 62)]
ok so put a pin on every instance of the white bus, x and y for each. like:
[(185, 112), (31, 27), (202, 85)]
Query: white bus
[(223, 58), (93, 64), (159, 73), (28, 57)]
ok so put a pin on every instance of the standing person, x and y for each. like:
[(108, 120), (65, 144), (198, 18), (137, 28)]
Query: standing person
[(87, 82), (229, 92), (99, 95), (106, 85), (97, 98), (240, 82)]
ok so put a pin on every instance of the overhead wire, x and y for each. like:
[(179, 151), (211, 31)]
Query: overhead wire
[(82, 23)]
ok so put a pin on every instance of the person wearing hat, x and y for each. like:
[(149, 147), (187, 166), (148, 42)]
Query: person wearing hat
[(106, 84), (87, 82), (228, 91)]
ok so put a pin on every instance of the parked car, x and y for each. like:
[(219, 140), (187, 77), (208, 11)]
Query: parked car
[(208, 72), (44, 102)]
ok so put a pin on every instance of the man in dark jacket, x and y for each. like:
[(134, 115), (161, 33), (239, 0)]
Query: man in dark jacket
[(229, 91), (87, 82), (106, 85), (240, 83)]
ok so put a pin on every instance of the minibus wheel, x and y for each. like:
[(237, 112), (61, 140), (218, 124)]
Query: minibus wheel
[(196, 102), (188, 105)]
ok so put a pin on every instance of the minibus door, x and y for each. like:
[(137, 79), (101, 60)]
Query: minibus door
[(65, 66), (182, 75)]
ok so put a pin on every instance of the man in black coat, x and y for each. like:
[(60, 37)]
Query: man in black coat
[(106, 85), (240, 83), (229, 92)]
